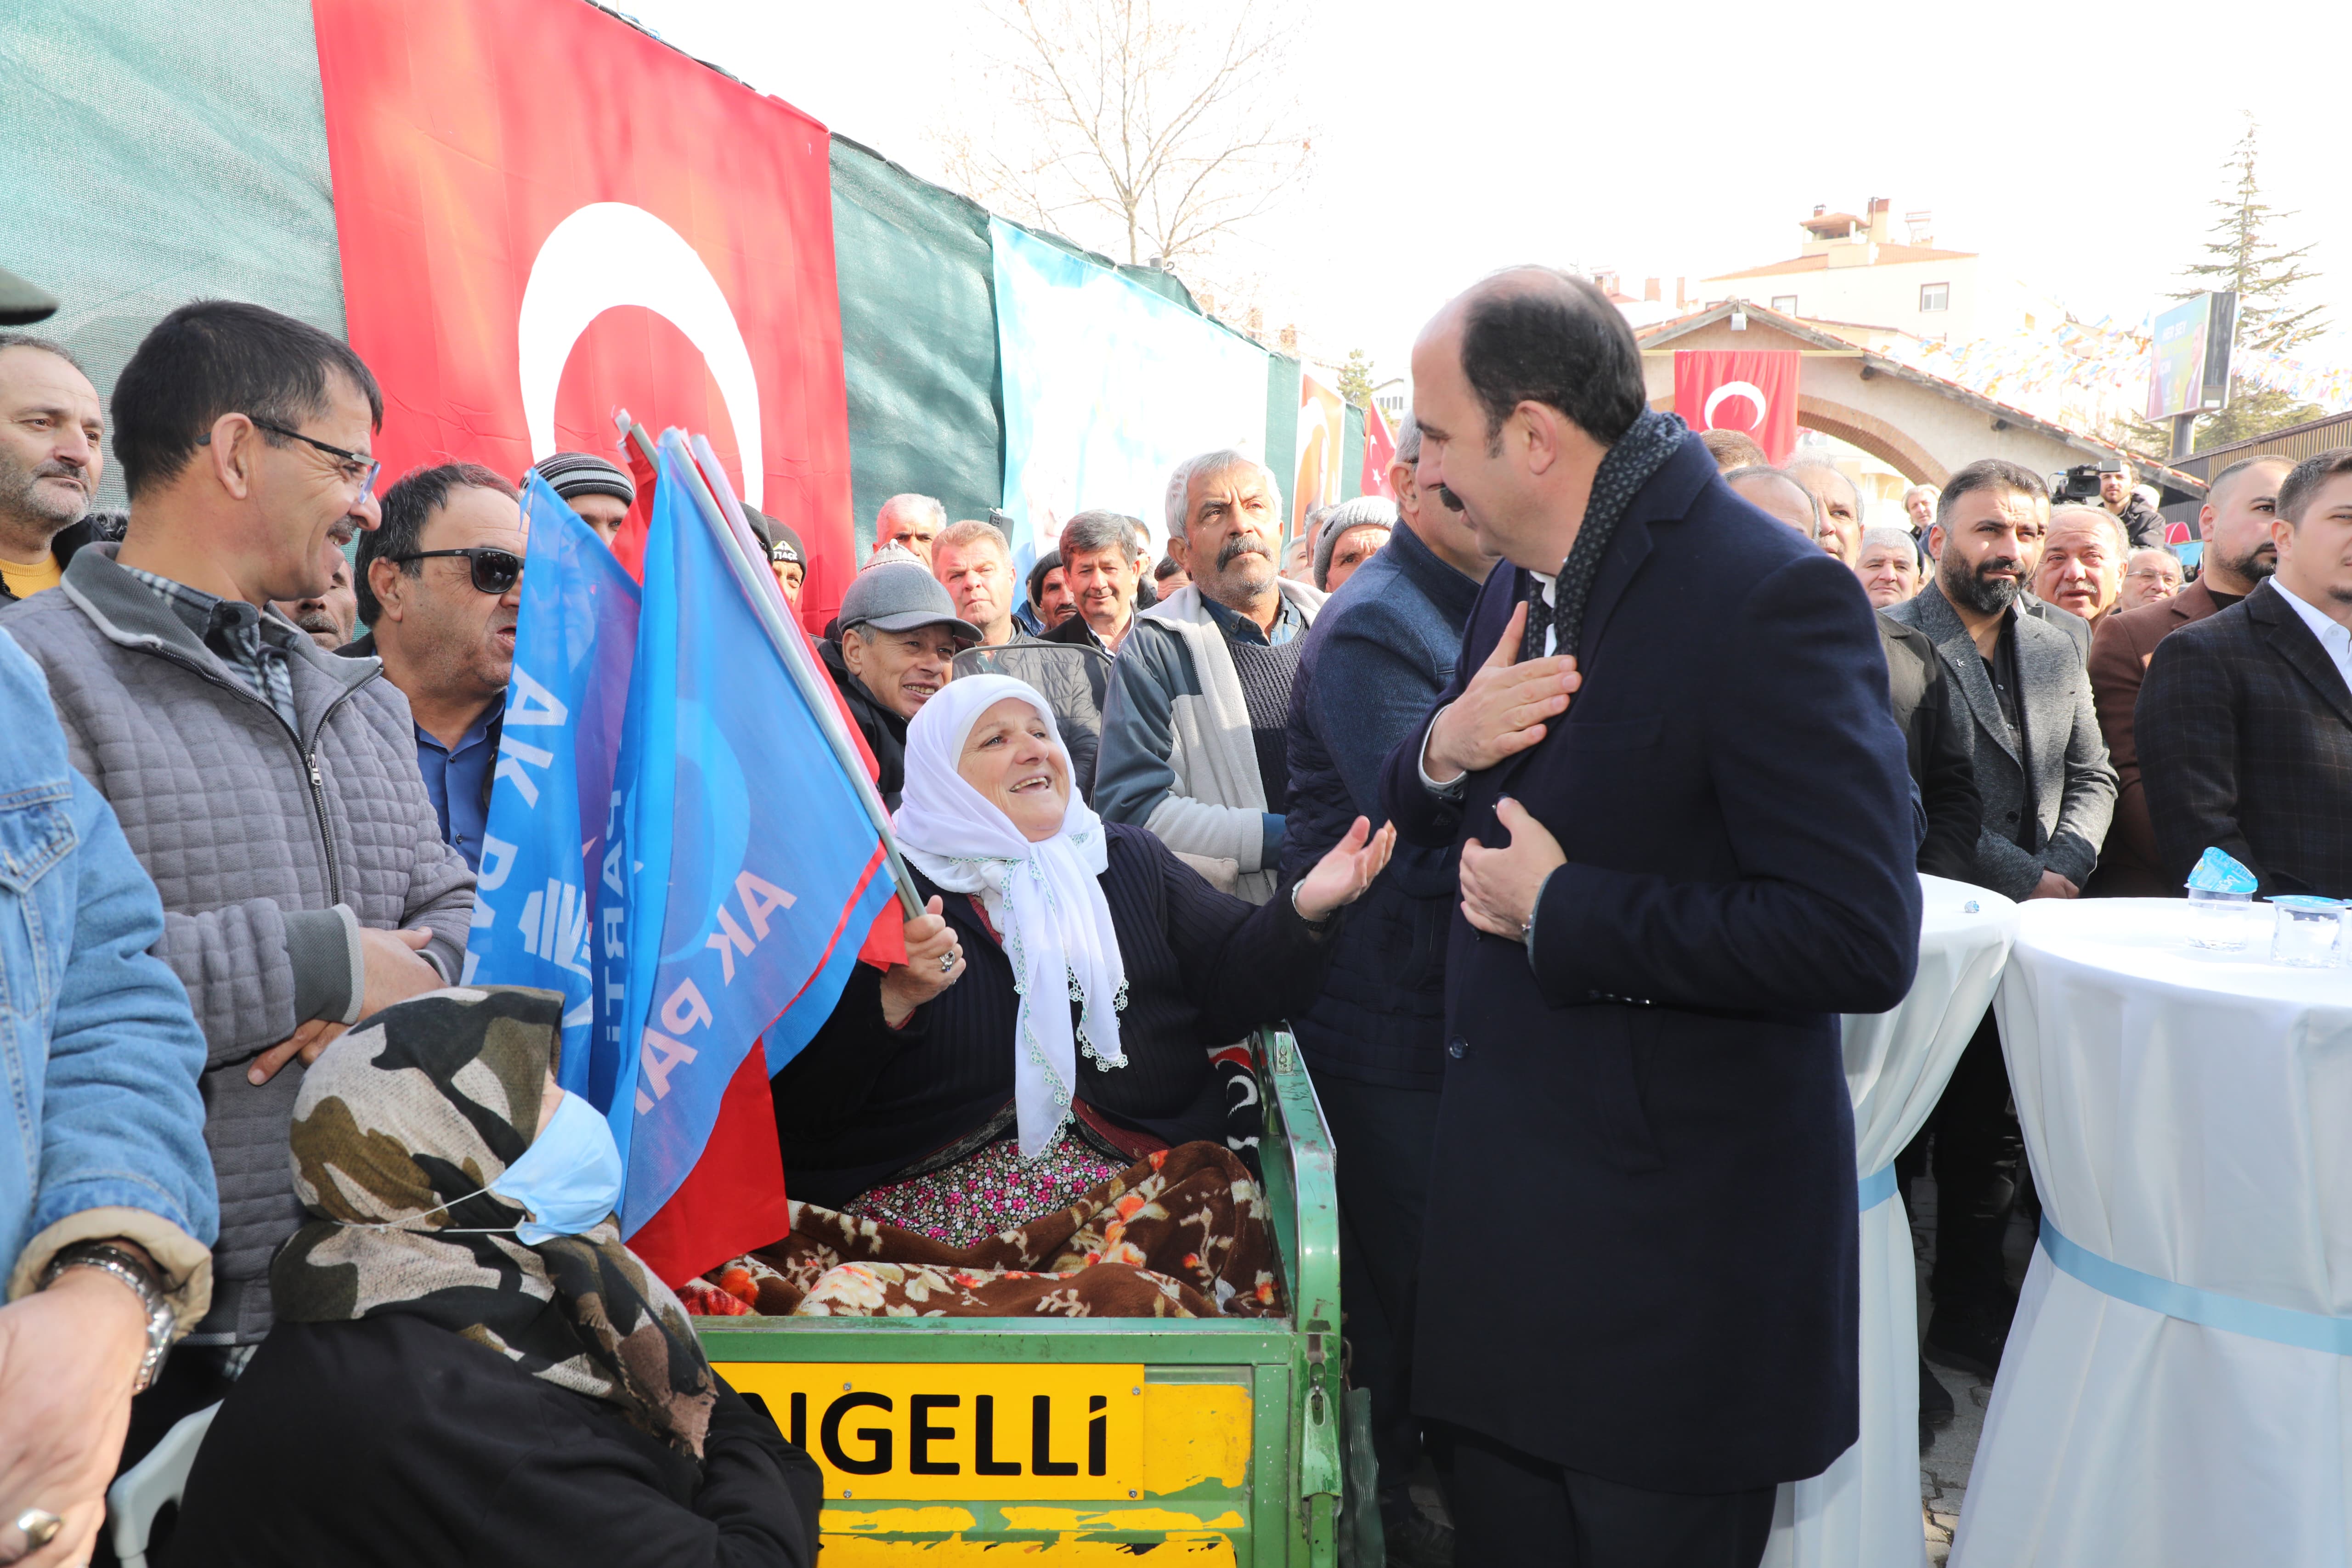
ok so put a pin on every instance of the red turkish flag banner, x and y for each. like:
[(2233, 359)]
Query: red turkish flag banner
[(1380, 451), (545, 215), (1752, 390)]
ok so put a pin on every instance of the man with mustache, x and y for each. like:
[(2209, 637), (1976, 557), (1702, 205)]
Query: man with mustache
[(1194, 731), (440, 585), (51, 424), (2049, 791), (2081, 566), (1841, 532)]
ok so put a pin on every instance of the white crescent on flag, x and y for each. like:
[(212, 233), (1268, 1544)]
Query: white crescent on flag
[(1747, 389), (610, 253)]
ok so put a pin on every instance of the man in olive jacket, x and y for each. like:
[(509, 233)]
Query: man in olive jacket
[(269, 787)]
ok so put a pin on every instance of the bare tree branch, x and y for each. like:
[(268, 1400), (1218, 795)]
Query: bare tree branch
[(1142, 128)]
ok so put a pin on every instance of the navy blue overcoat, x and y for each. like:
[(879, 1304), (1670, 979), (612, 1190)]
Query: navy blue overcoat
[(1641, 1252)]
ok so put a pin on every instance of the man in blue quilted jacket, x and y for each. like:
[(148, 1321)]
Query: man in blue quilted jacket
[(1375, 660)]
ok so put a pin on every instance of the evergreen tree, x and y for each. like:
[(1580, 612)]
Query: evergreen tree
[(2240, 255), (1356, 379)]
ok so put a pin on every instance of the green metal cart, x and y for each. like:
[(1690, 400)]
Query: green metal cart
[(994, 1440)]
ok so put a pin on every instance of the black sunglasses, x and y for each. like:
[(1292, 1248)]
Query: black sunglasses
[(495, 571)]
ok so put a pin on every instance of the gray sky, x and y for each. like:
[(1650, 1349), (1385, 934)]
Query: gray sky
[(1452, 140)]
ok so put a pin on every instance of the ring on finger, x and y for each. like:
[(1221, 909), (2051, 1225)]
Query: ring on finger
[(948, 961), (38, 1526)]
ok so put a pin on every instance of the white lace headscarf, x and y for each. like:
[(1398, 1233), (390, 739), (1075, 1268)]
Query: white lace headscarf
[(1042, 897)]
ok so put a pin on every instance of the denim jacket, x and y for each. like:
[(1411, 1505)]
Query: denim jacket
[(103, 1134)]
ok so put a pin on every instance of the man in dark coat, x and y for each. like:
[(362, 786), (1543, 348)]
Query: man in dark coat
[(1638, 1309), (2245, 721), (2240, 504), (1944, 785), (1375, 1039), (1936, 749), (2023, 700), (2143, 524)]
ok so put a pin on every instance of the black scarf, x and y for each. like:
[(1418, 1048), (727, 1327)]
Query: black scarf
[(1632, 463)]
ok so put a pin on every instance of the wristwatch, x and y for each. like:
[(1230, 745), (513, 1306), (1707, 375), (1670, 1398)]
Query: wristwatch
[(134, 1271)]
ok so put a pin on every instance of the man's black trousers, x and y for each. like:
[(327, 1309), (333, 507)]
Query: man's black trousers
[(1976, 1164), (1383, 1138), (1512, 1509)]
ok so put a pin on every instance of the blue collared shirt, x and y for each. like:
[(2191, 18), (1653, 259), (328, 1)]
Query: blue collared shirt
[(458, 779), (1287, 623)]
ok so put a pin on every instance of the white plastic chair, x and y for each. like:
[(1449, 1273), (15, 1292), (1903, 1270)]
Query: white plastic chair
[(139, 1494)]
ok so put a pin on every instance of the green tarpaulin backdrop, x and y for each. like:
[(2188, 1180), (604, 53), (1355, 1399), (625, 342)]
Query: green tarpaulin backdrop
[(166, 152)]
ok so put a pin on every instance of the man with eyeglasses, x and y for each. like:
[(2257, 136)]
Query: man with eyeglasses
[(2151, 574), (268, 787), (440, 585)]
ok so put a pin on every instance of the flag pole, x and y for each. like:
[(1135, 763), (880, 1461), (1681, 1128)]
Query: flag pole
[(792, 644)]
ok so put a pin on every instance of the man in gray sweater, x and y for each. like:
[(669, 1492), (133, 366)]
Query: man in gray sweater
[(269, 787), (1196, 728)]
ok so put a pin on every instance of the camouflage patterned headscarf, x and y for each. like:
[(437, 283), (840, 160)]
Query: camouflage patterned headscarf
[(425, 1107)]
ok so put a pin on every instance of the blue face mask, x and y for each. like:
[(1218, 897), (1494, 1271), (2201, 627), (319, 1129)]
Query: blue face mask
[(569, 1178)]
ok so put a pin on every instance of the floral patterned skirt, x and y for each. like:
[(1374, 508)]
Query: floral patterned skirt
[(1183, 1233), (990, 1191)]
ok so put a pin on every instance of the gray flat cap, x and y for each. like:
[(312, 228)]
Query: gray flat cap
[(899, 596)]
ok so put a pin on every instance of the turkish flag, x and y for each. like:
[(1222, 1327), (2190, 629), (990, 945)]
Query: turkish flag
[(1380, 451), (545, 213), (1752, 390)]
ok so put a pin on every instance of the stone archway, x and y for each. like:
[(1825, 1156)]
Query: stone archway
[(1876, 437), (1871, 435)]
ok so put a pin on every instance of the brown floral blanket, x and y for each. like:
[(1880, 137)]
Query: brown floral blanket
[(1179, 1234)]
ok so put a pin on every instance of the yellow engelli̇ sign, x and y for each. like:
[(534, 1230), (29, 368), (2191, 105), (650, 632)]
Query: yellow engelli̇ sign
[(921, 1430)]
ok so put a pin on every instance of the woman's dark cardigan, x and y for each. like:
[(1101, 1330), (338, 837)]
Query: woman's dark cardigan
[(865, 1101), (391, 1440)]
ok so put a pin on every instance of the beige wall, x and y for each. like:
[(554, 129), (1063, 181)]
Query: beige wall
[(1886, 295)]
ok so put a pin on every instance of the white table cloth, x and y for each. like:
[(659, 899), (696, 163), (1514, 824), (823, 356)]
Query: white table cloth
[(2189, 1115), (1863, 1511)]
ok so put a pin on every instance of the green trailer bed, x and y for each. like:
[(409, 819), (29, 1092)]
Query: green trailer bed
[(1078, 1440)]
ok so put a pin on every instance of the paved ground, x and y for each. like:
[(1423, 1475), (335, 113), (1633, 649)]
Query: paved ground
[(1944, 1463)]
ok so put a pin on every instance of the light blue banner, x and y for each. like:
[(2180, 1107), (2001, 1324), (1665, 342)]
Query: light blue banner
[(534, 904), (1107, 387), (748, 870)]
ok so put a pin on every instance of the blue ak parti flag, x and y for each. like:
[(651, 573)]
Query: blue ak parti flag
[(746, 866), (575, 636)]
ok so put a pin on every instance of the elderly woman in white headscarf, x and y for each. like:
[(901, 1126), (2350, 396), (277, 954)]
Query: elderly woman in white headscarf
[(1065, 998)]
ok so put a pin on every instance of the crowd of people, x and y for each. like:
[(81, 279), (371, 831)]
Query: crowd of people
[(1533, 799)]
